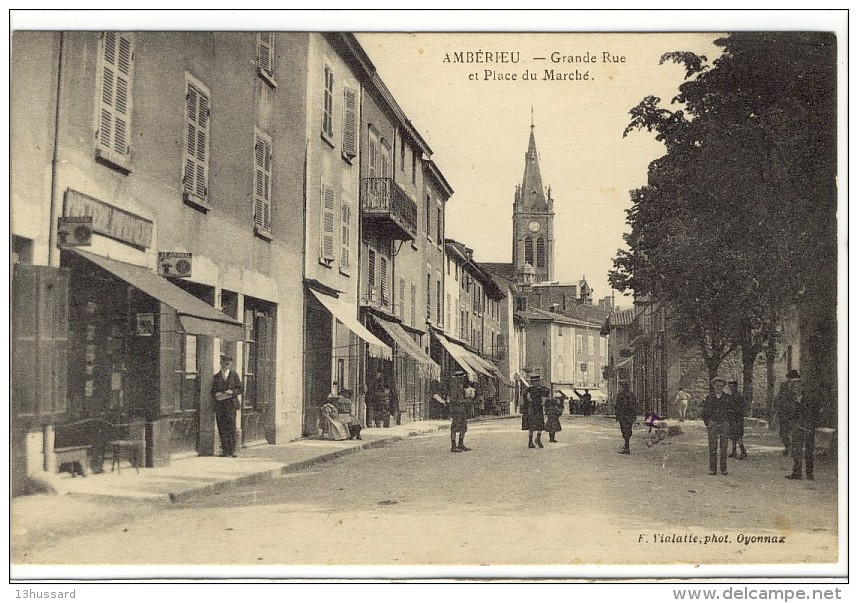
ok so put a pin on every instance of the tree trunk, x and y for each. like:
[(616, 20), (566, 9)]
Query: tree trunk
[(771, 352), (749, 356)]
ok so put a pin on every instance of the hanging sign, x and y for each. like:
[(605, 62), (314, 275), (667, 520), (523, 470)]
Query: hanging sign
[(174, 264), (74, 231), (145, 324)]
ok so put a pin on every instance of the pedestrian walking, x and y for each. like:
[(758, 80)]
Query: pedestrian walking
[(586, 401), (380, 403), (737, 420), (804, 415), (716, 417), (783, 410), (458, 412), (553, 410), (681, 401), (626, 412), (532, 418), (226, 393)]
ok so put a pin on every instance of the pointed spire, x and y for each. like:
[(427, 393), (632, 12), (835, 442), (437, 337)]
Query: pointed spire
[(532, 193)]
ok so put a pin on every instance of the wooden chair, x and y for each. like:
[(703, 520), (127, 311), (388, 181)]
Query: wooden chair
[(130, 439)]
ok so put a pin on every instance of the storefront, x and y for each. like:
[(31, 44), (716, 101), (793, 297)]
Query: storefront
[(337, 351), (413, 369), (483, 374), (139, 350)]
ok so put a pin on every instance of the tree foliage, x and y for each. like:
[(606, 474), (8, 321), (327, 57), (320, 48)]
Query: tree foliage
[(737, 219)]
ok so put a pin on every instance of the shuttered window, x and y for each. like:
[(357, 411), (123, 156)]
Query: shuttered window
[(328, 219), (265, 52), (328, 106), (382, 275), (345, 237), (370, 275), (350, 123), (401, 301), (116, 67), (413, 305), (197, 126), (262, 159)]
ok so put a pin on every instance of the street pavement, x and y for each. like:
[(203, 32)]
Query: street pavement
[(410, 501)]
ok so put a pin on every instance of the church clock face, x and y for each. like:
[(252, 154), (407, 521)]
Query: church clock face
[(534, 226)]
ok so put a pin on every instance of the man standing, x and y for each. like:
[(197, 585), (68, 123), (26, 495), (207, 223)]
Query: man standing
[(626, 412), (804, 413), (532, 418), (458, 412), (226, 392), (737, 419), (783, 410), (681, 400), (716, 417)]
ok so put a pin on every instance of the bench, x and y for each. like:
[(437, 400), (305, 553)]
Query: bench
[(76, 456)]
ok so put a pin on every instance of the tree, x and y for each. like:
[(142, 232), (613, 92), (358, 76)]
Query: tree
[(719, 234)]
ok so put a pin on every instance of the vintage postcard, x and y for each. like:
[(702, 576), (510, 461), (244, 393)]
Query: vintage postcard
[(501, 296)]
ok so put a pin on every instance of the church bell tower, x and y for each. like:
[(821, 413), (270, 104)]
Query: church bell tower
[(533, 222)]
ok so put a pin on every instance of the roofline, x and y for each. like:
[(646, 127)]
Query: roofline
[(432, 168)]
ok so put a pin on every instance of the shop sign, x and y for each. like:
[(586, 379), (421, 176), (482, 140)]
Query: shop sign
[(74, 231), (108, 220), (174, 264), (145, 324)]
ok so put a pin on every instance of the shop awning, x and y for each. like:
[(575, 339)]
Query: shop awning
[(345, 313), (458, 354), (408, 346), (195, 315)]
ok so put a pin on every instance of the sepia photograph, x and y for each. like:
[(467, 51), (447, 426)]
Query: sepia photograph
[(428, 295)]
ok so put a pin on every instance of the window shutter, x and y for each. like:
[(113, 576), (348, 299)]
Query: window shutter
[(370, 278), (262, 158), (345, 258), (265, 52), (196, 149), (349, 122), (328, 219), (114, 122), (382, 269), (328, 107)]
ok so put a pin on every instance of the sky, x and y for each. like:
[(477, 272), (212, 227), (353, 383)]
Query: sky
[(478, 128)]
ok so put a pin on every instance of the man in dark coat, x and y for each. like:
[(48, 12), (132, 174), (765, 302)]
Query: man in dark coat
[(626, 412), (226, 392), (458, 412), (782, 410), (716, 417), (586, 402), (804, 414), (532, 418), (737, 420)]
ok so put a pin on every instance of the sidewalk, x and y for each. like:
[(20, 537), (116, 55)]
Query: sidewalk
[(111, 497)]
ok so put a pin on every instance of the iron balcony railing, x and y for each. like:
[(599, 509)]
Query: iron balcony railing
[(384, 200)]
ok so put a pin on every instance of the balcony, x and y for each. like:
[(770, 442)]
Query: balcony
[(388, 208)]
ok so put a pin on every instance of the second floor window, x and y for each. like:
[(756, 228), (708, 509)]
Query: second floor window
[(262, 184), (113, 130), (382, 270), (197, 141), (328, 219), (328, 106), (439, 233), (265, 53), (350, 123), (370, 273), (346, 237)]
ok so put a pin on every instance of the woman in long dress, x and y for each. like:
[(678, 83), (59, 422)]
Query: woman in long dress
[(332, 427), (532, 419), (553, 410)]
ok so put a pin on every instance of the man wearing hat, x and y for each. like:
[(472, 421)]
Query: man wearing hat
[(626, 411), (803, 413), (783, 410), (716, 417), (226, 392), (458, 412)]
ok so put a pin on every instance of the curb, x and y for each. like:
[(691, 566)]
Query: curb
[(262, 476)]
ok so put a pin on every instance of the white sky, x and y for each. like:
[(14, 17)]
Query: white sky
[(478, 132)]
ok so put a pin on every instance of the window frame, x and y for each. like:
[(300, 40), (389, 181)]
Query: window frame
[(328, 89), (259, 228), (267, 74), (191, 197), (105, 153)]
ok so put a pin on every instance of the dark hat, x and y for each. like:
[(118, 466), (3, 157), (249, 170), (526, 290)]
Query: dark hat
[(226, 358), (718, 379), (793, 374)]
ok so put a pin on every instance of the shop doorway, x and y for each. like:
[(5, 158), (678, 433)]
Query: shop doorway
[(259, 371)]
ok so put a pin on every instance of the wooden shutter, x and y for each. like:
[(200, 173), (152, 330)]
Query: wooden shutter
[(262, 184), (40, 329), (349, 122), (265, 52), (113, 132), (328, 107), (329, 207), (382, 270), (197, 143), (345, 250)]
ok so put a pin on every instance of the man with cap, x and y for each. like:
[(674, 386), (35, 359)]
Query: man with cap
[(783, 410), (458, 412), (716, 417), (626, 411), (226, 393), (803, 413)]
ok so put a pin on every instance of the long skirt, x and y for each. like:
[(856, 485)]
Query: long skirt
[(553, 424)]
